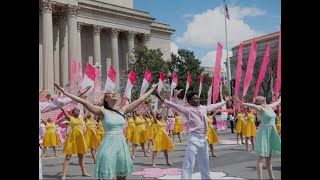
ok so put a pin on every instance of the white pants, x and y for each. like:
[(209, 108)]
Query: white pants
[(197, 147), (40, 164)]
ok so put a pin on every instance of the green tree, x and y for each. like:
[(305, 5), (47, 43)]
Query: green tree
[(147, 59)]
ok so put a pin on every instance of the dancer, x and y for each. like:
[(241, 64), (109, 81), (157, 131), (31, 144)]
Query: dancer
[(177, 129), (278, 125), (50, 138), (267, 141), (162, 140), (197, 145), (75, 143), (149, 123), (100, 130), (90, 135), (140, 135), (211, 133), (240, 125), (130, 129), (250, 129), (113, 159)]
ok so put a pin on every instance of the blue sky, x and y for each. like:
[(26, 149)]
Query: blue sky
[(199, 24)]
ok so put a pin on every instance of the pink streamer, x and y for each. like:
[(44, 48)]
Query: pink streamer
[(239, 71), (262, 71), (278, 80), (80, 76), (72, 75), (216, 82), (249, 71)]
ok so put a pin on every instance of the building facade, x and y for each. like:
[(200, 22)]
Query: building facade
[(261, 44), (101, 32)]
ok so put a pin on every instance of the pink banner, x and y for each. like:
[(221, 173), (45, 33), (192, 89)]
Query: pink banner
[(97, 86), (80, 76), (216, 82), (239, 71), (249, 71), (221, 125), (278, 80), (73, 73), (262, 71)]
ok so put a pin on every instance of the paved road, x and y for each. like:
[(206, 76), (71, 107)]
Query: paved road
[(232, 162)]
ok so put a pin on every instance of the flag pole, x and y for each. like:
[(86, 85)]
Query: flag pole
[(228, 60)]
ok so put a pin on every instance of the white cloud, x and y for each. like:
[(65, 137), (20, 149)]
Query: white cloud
[(209, 60), (174, 48), (208, 28)]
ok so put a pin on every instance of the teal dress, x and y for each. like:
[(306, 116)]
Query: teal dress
[(113, 157), (267, 141)]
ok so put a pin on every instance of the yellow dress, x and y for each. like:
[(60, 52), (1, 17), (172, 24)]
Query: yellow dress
[(177, 128), (100, 131), (150, 127), (130, 128), (211, 133), (154, 130), (162, 140), (140, 135), (241, 124), (90, 135), (51, 137), (75, 143), (250, 129), (278, 125)]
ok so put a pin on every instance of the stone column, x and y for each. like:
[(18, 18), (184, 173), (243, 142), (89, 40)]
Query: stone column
[(47, 44), (96, 44), (64, 55), (56, 48), (40, 51), (72, 33), (79, 27), (146, 40), (130, 38), (115, 55)]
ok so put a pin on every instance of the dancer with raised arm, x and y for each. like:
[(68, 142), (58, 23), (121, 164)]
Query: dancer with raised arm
[(113, 159), (267, 141), (197, 145), (50, 138)]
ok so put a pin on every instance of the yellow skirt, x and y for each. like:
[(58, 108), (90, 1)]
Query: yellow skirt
[(75, 143), (51, 138), (151, 131), (212, 135), (278, 126), (129, 132), (240, 127), (162, 141), (177, 128), (155, 130), (91, 138), (250, 129), (140, 135)]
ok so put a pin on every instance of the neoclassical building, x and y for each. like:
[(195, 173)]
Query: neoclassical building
[(101, 32)]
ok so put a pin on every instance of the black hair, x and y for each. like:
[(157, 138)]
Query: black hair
[(106, 106), (74, 109), (190, 94)]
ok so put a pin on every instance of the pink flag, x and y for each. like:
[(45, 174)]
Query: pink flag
[(80, 76), (97, 86), (278, 80), (201, 83), (146, 81), (73, 73), (239, 71), (89, 77), (130, 82), (249, 71), (111, 80), (189, 80), (216, 82), (174, 83), (161, 81), (263, 70)]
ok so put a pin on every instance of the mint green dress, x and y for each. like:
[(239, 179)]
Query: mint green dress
[(113, 157), (267, 141)]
